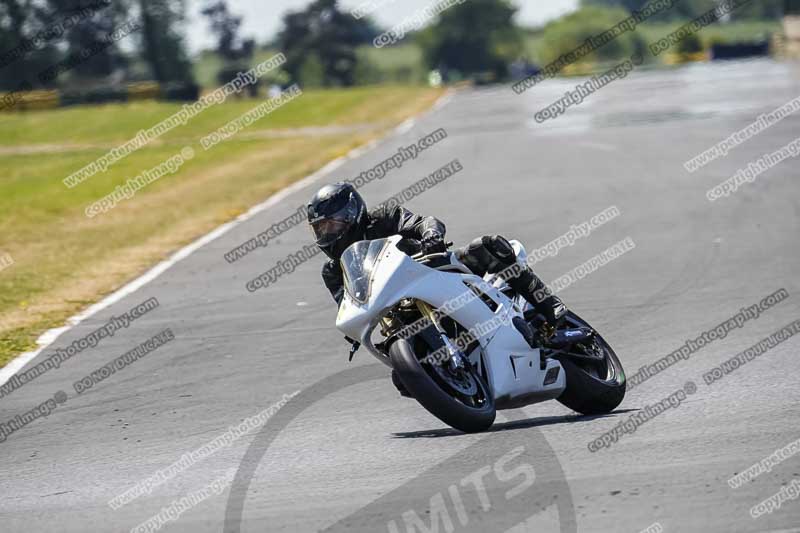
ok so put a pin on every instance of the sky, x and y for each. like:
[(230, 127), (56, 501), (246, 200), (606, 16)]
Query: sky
[(262, 18)]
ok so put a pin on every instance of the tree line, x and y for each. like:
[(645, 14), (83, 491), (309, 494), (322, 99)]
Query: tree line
[(320, 41), (37, 34)]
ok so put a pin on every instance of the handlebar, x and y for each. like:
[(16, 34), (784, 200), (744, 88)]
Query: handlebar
[(416, 256)]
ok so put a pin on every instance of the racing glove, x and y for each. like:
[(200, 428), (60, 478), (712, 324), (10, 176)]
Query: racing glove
[(433, 243)]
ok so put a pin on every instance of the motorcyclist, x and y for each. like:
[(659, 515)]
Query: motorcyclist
[(338, 217)]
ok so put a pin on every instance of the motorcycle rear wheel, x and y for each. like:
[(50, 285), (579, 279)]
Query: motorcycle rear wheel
[(592, 387)]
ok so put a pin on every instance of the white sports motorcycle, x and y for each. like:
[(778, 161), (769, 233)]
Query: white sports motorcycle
[(464, 346)]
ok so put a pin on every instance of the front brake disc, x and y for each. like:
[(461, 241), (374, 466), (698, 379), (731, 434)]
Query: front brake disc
[(460, 380)]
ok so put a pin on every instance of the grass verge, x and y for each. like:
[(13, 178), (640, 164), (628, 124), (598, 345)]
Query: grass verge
[(64, 261)]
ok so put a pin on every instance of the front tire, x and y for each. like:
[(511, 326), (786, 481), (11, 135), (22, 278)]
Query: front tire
[(433, 396), (592, 388)]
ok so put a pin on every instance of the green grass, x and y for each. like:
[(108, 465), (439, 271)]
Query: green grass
[(727, 33), (207, 65), (401, 64), (732, 32), (121, 122), (64, 261)]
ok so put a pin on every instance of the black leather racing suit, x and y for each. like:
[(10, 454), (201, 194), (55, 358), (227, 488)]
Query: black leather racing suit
[(489, 254)]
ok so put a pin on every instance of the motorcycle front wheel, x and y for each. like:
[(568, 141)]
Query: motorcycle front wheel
[(460, 398)]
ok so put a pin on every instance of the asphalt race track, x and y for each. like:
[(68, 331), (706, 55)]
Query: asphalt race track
[(348, 454)]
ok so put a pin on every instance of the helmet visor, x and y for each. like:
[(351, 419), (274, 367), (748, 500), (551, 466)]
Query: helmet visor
[(327, 230), (334, 219)]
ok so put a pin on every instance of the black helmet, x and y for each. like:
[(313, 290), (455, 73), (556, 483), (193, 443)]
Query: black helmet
[(338, 217)]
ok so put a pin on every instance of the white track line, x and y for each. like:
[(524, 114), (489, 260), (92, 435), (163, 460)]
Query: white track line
[(50, 336)]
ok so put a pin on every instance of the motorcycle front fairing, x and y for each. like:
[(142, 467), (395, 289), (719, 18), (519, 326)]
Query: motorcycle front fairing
[(513, 367)]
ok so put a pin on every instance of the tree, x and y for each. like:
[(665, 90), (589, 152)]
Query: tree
[(234, 51), (325, 35), (688, 9), (571, 31), (760, 10), (22, 57), (95, 22), (226, 28), (474, 37), (685, 9), (162, 43)]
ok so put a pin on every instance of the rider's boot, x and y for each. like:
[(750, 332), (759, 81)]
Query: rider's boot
[(535, 292), (495, 254)]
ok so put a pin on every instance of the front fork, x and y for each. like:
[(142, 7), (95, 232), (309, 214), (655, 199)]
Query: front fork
[(456, 359)]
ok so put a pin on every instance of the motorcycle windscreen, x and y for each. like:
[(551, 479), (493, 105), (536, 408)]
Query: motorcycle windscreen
[(358, 263)]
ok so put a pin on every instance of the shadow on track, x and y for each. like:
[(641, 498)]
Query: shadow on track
[(548, 487), (508, 426)]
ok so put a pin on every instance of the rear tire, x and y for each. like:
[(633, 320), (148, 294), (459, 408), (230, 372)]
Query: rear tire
[(592, 391), (433, 398)]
